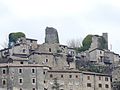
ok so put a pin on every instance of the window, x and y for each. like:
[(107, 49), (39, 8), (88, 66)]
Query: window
[(76, 76), (20, 80), (106, 78), (33, 89), (88, 84), (49, 49), (24, 50), (46, 60), (44, 81), (106, 86), (21, 62), (20, 88), (44, 72), (33, 80), (88, 77), (100, 85), (33, 70), (45, 89), (70, 76), (20, 70), (31, 41), (99, 78), (61, 76), (51, 75), (3, 82), (4, 71)]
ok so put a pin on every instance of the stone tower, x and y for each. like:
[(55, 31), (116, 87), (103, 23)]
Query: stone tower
[(51, 35), (95, 43), (105, 35)]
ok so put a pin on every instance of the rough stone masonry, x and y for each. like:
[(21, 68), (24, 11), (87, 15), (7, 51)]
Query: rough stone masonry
[(51, 35)]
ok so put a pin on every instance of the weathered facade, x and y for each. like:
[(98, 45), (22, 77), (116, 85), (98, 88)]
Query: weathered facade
[(32, 66), (37, 77), (76, 80), (22, 76)]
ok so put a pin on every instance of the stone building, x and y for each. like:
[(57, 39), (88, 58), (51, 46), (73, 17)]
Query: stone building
[(32, 66), (22, 76), (98, 54), (96, 43), (37, 77), (116, 78), (104, 57), (78, 80)]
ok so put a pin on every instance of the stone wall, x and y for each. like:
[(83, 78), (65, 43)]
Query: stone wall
[(51, 35)]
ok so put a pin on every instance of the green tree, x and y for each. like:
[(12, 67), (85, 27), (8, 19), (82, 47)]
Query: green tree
[(13, 37), (86, 43)]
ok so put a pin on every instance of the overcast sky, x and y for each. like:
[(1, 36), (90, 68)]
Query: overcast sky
[(73, 19)]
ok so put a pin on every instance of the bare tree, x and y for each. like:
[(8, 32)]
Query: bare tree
[(73, 43), (5, 43)]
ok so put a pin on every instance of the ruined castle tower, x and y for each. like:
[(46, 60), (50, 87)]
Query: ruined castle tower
[(51, 35), (98, 42), (105, 35)]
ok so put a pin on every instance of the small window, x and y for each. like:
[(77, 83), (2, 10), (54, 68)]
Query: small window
[(33, 89), (88, 77), (49, 49), (24, 50), (88, 84), (3, 82), (99, 78), (70, 76), (31, 41), (46, 60), (20, 70), (33, 70), (61, 76), (106, 86), (51, 75), (76, 76), (100, 85), (21, 62), (33, 80), (44, 72), (44, 81), (45, 89), (106, 78), (20, 80), (4, 71)]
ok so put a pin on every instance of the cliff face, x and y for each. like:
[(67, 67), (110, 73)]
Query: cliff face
[(51, 35)]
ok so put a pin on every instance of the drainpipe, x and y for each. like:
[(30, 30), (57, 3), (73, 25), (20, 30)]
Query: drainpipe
[(36, 79), (94, 83)]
